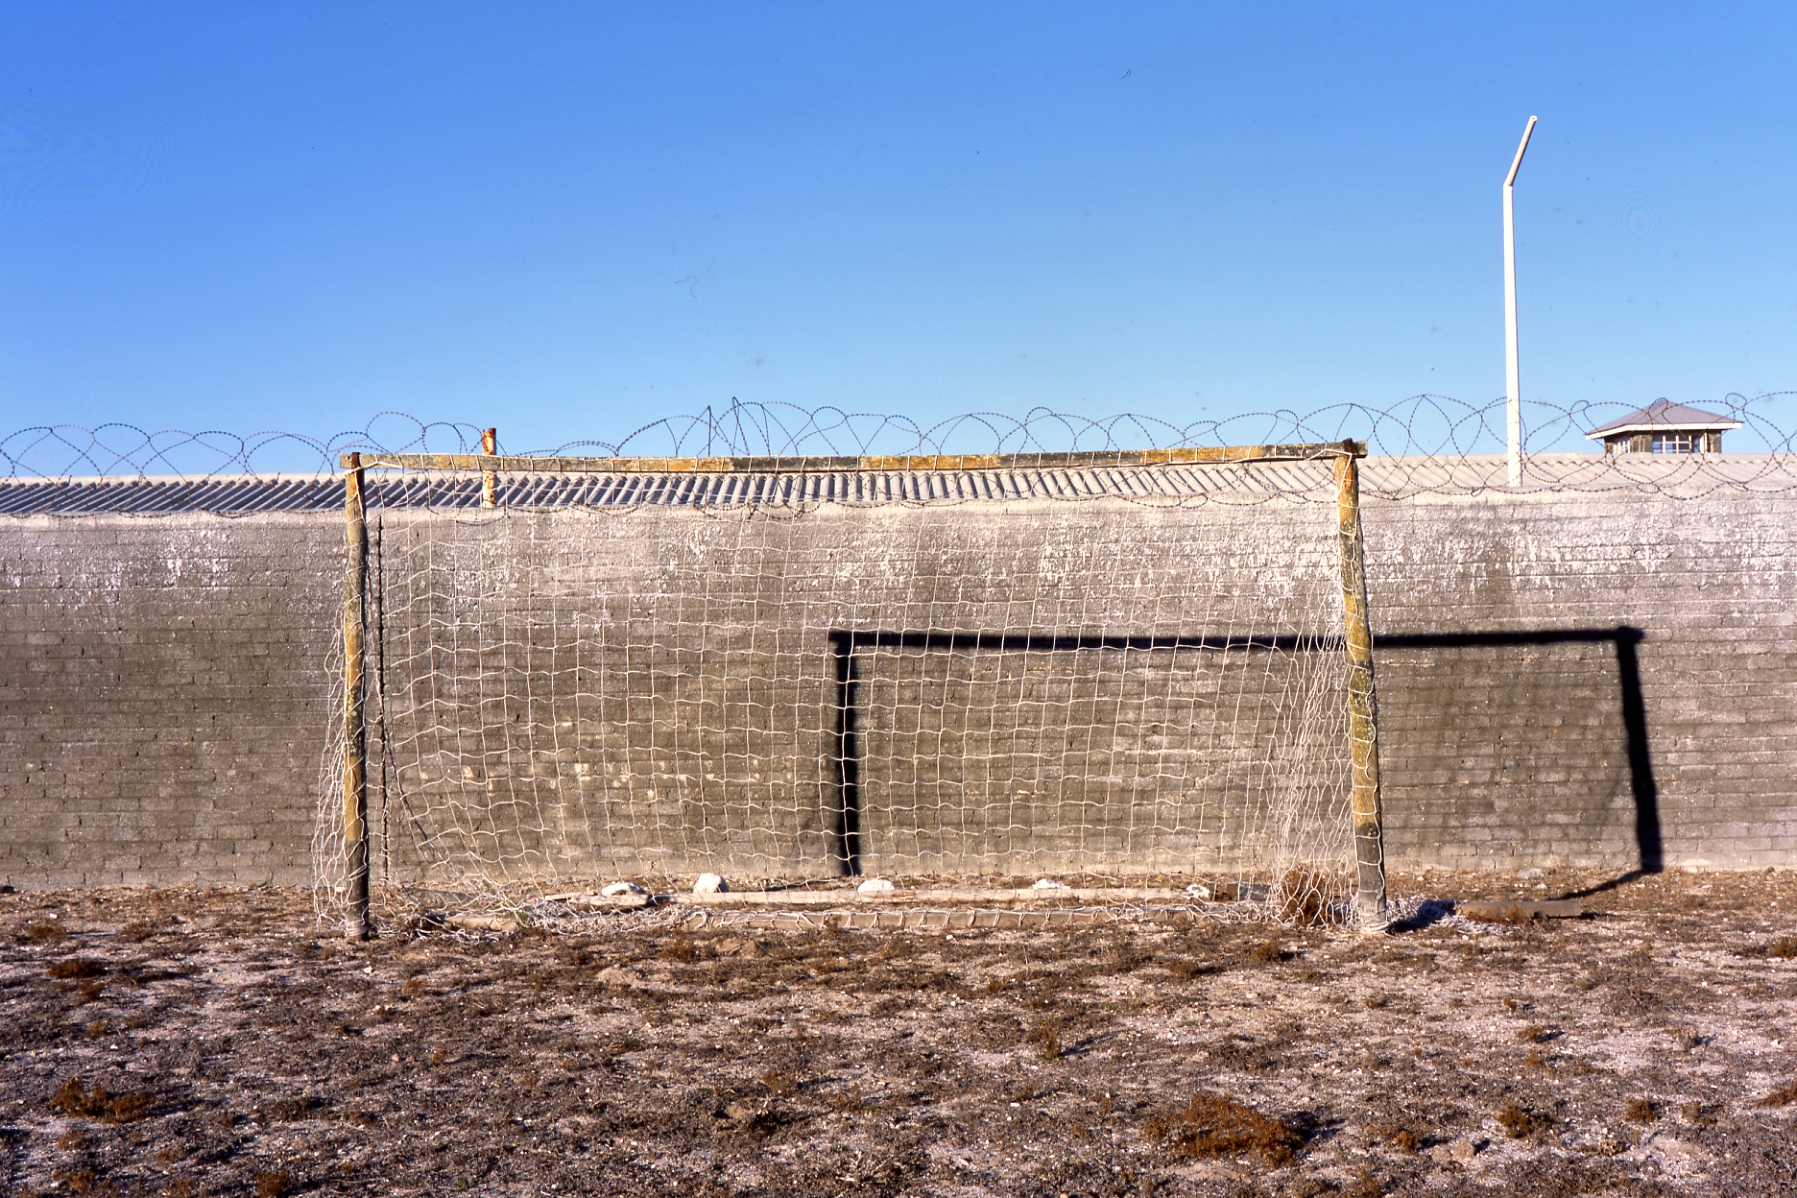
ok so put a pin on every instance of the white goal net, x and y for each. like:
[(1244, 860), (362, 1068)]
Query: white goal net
[(1123, 675)]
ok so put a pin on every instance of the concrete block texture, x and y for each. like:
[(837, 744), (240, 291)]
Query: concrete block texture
[(1622, 665), (1593, 679), (131, 697)]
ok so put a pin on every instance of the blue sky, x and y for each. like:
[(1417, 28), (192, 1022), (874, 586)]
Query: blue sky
[(567, 220)]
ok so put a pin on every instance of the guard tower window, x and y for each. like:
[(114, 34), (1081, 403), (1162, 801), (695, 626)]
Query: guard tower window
[(1686, 442)]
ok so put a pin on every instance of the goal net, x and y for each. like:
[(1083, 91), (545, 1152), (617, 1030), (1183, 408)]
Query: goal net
[(1099, 671)]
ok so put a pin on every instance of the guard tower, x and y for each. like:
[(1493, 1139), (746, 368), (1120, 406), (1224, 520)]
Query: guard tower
[(1664, 427)]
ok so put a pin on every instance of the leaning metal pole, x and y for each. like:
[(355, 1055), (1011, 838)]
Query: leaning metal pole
[(356, 923), (1512, 370), (1363, 700)]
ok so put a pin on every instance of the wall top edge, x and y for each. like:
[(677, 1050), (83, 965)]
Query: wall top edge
[(1382, 478)]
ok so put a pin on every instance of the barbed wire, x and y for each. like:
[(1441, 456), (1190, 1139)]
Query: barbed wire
[(1430, 427)]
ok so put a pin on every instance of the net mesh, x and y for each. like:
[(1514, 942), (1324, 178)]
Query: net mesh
[(782, 691)]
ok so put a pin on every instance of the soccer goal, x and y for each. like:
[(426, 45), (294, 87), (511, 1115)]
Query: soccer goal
[(1123, 668)]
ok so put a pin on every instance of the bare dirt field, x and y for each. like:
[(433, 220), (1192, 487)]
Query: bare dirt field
[(188, 1042)]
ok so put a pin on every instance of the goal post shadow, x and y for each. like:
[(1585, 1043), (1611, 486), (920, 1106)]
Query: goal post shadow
[(1632, 711), (848, 648)]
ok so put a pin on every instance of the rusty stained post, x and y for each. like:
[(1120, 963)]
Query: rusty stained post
[(1363, 701), (356, 924), (489, 479)]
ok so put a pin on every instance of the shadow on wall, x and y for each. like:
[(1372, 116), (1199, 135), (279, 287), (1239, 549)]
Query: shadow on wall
[(988, 720), (1517, 736), (1498, 748)]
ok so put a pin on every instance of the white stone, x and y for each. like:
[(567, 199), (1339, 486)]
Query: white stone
[(1050, 884), (1532, 873), (710, 884), (620, 889), (876, 886)]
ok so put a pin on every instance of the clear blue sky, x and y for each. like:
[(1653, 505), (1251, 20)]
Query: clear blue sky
[(570, 219)]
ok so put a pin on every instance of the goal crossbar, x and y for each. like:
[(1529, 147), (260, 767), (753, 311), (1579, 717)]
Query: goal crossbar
[(795, 464)]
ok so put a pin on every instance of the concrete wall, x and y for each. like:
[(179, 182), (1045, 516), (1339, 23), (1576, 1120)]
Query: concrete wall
[(1591, 679), (1601, 680), (161, 696)]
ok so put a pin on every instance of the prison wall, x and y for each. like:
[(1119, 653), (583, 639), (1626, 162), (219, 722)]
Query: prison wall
[(162, 695), (1592, 679)]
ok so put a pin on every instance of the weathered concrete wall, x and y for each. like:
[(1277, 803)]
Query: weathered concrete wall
[(1593, 679), (1590, 679), (161, 696)]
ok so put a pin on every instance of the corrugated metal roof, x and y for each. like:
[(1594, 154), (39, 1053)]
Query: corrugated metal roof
[(1381, 477), (1686, 474), (860, 487), (1663, 414), (165, 496)]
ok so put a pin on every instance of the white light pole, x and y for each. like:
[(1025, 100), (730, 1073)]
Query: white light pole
[(1512, 372)]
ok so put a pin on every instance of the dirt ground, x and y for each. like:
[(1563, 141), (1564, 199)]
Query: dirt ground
[(187, 1042)]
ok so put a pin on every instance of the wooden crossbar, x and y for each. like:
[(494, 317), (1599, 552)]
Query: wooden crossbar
[(1197, 455)]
